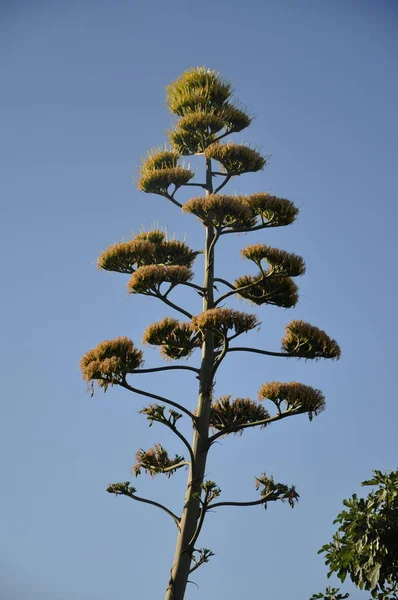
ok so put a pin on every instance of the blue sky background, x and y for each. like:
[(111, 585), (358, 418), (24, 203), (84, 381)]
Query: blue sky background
[(82, 100)]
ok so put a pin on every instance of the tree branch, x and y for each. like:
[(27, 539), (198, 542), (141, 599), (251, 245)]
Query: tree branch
[(269, 353), (225, 282), (228, 177), (171, 198), (252, 503), (125, 385), (263, 422), (202, 185), (239, 289), (169, 303), (243, 230), (173, 467), (168, 368), (152, 502)]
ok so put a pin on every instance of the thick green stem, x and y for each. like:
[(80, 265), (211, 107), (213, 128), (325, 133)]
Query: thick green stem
[(200, 446)]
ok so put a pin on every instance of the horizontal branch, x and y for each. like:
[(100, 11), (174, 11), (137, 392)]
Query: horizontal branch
[(237, 290), (268, 498), (202, 185), (262, 422), (152, 502), (125, 385), (247, 230), (252, 503), (225, 282), (183, 463), (269, 353), (167, 368)]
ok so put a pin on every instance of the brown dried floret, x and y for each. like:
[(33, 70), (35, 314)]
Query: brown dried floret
[(276, 491), (197, 87), (280, 262), (110, 362), (274, 211), (226, 414), (159, 158), (150, 278), (147, 248), (235, 119), (236, 158), (176, 339), (121, 489), (279, 291), (308, 341), (155, 460), (201, 123), (223, 319), (293, 396), (221, 211), (159, 181)]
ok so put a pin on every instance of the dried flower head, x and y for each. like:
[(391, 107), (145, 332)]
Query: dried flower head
[(235, 119), (176, 340), (150, 278), (159, 181), (232, 414), (221, 211), (156, 460), (156, 412), (236, 158), (121, 489), (197, 87), (279, 291), (145, 249), (276, 491), (159, 158), (223, 319), (308, 341), (279, 261), (293, 397), (276, 212), (110, 362)]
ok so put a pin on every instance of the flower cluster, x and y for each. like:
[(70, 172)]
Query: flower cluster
[(159, 170), (156, 460), (149, 278), (221, 211), (279, 261), (121, 489), (232, 414), (258, 289), (273, 211), (198, 87), (236, 158), (293, 397), (156, 412), (305, 340), (275, 491), (176, 339), (110, 362), (224, 319), (147, 248), (200, 98)]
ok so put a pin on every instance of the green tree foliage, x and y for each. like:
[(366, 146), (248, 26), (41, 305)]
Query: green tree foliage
[(157, 266), (365, 546)]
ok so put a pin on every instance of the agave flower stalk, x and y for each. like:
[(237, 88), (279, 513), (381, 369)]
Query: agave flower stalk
[(157, 266)]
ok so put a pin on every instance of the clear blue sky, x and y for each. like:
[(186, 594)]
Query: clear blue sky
[(82, 100)]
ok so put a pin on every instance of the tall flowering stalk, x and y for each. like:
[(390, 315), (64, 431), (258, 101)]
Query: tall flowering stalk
[(206, 113)]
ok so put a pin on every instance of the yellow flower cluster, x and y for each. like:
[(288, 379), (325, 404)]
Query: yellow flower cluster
[(309, 341), (110, 361)]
